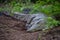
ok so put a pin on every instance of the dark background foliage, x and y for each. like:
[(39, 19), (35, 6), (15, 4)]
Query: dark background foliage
[(48, 7)]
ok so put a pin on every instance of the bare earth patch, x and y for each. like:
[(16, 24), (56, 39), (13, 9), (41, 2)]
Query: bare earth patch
[(12, 29), (53, 34)]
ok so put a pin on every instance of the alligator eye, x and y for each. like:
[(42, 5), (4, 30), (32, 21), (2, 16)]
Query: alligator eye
[(16, 16)]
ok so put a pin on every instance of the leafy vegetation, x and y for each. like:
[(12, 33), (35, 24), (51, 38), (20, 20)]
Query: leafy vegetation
[(51, 23), (49, 7)]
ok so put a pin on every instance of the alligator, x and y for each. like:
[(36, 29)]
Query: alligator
[(34, 21)]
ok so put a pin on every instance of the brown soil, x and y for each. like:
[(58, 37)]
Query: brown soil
[(53, 34), (12, 29)]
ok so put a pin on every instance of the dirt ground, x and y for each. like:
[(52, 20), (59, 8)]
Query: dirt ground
[(12, 29), (53, 34)]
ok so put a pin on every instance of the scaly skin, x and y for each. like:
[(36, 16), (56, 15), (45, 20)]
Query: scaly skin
[(34, 21)]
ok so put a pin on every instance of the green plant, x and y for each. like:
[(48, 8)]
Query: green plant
[(51, 23), (48, 7), (1, 9)]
